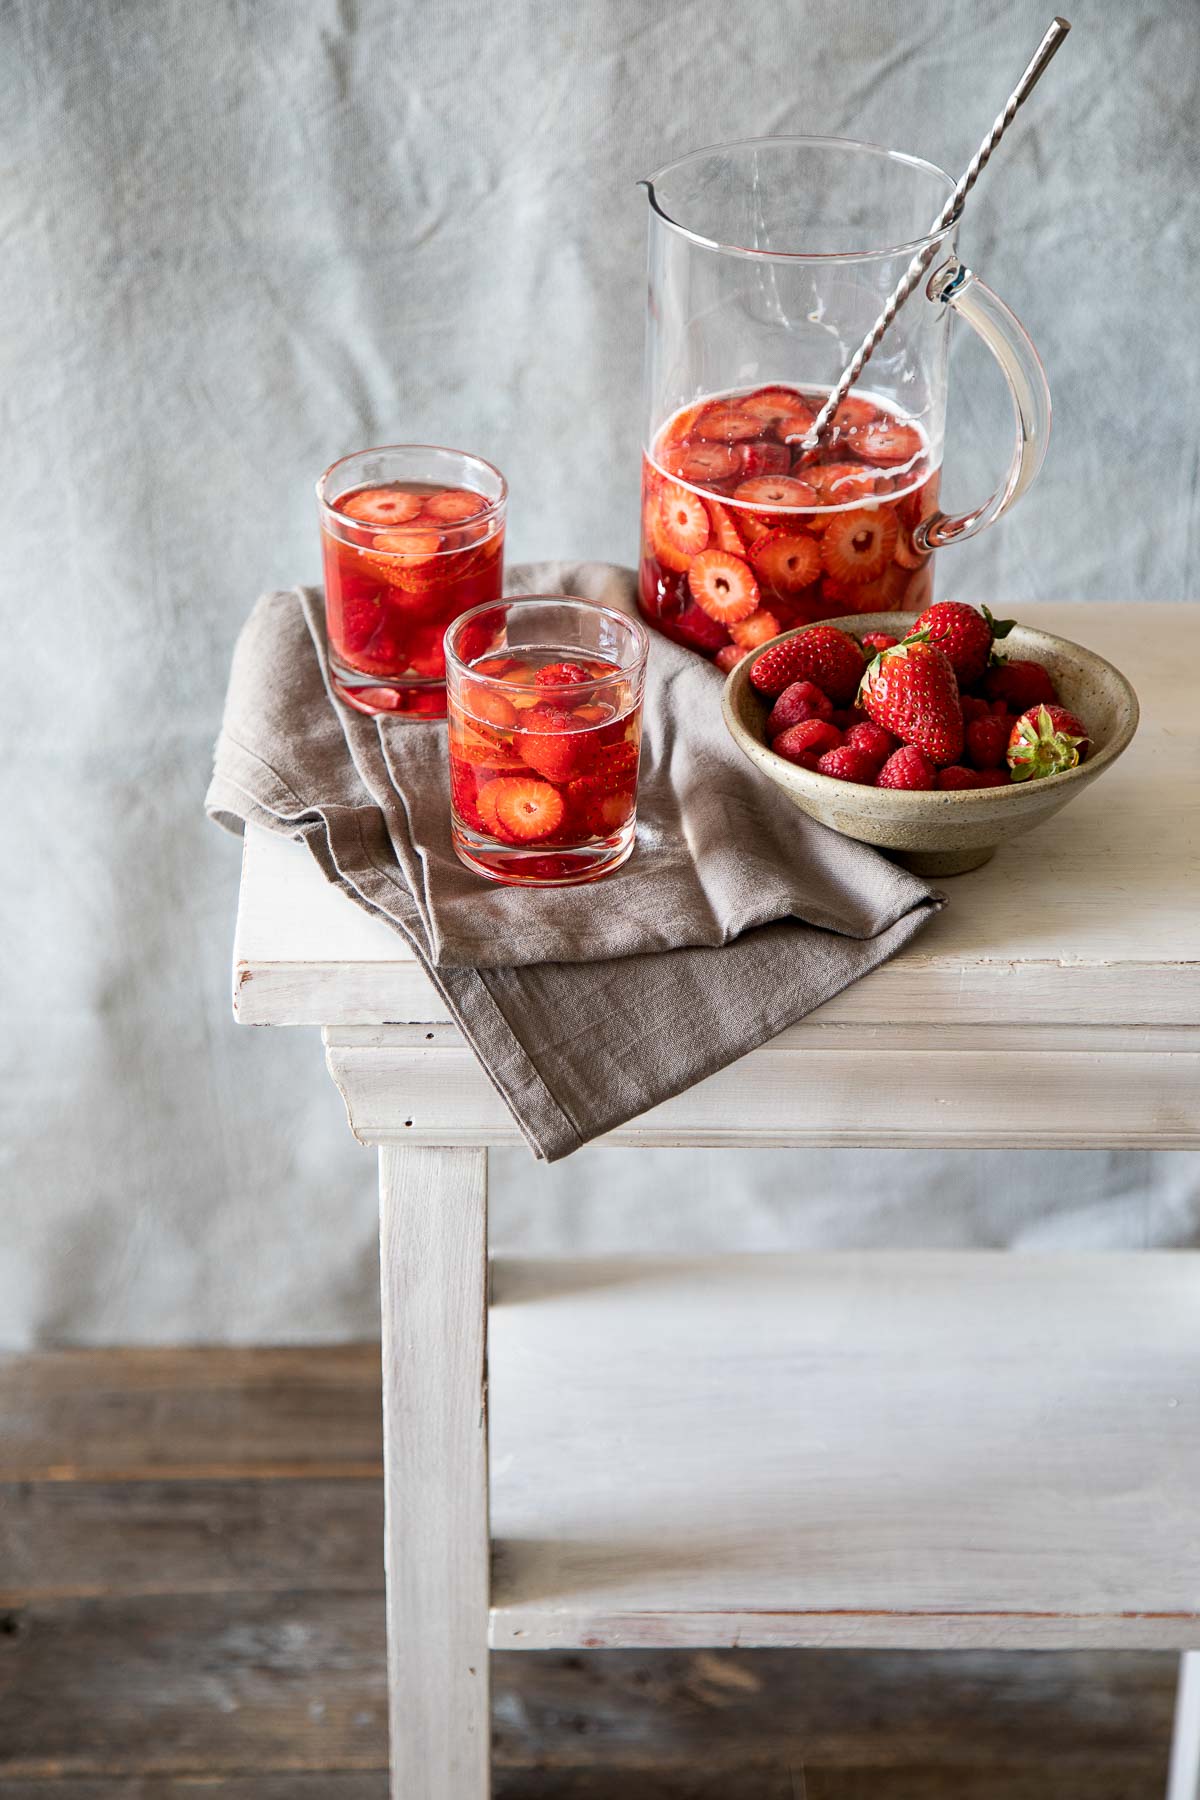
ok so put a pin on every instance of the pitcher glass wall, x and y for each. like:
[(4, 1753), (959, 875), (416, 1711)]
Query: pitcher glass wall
[(769, 261)]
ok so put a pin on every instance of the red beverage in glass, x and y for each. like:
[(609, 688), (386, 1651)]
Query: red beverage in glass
[(545, 711), (743, 536), (411, 536)]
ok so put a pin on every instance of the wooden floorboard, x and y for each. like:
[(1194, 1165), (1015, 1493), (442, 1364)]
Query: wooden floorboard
[(169, 1636)]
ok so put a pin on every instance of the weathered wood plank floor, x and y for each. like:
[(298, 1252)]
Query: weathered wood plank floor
[(191, 1609)]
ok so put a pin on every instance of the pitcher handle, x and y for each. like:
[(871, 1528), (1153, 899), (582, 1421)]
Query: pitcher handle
[(954, 285)]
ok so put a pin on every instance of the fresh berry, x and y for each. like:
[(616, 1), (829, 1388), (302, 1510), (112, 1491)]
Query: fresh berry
[(729, 656), (755, 630), (973, 707), (702, 463), (550, 742), (405, 548), (821, 654), (986, 778), (763, 459), (810, 737), (488, 704), (521, 810), (857, 546), (907, 767), (723, 585), (380, 506), (853, 416), (453, 505), (872, 740), (726, 424), (680, 527), (965, 635), (847, 717), (799, 701), (563, 674), (987, 742), (1046, 740), (875, 641), (888, 441), (785, 560), (703, 633), (1020, 685), (955, 778), (848, 764), (911, 691), (427, 652), (774, 491)]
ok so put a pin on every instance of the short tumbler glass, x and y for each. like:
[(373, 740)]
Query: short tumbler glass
[(412, 536), (545, 709)]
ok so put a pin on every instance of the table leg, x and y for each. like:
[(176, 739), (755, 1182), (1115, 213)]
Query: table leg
[(433, 1271), (1184, 1780)]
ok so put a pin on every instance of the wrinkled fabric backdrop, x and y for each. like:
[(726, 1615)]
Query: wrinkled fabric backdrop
[(242, 239)]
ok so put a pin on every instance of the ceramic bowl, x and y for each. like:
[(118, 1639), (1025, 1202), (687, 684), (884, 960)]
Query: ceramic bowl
[(947, 833)]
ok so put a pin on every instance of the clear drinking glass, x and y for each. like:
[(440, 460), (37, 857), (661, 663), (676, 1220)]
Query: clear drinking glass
[(545, 710), (769, 262), (412, 535)]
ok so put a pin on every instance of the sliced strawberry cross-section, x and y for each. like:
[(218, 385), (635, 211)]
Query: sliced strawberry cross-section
[(857, 546), (786, 560), (520, 810), (563, 674), (702, 463), (723, 586), (680, 526), (775, 491), (453, 505), (380, 505), (725, 424)]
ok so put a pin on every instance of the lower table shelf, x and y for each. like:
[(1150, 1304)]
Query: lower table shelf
[(935, 1450)]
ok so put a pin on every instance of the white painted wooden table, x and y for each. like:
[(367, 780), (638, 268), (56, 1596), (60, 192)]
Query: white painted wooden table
[(889, 1449)]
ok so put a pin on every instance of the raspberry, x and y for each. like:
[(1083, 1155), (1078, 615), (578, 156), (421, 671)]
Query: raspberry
[(908, 768), (872, 740), (729, 656), (875, 641), (811, 737), (987, 741), (799, 701), (563, 674), (956, 777), (847, 764)]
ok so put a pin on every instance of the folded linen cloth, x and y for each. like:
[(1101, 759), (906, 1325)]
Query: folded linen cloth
[(734, 917)]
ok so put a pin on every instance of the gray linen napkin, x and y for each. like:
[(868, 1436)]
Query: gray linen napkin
[(734, 917)]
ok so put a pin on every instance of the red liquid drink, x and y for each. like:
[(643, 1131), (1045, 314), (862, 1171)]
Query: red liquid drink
[(403, 558), (544, 742), (744, 537)]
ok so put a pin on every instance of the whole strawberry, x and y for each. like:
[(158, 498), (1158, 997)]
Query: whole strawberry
[(908, 768), (911, 691), (1046, 740), (964, 635), (1019, 685), (822, 654)]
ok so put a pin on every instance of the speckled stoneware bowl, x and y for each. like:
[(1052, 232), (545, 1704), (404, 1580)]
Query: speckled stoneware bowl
[(947, 834)]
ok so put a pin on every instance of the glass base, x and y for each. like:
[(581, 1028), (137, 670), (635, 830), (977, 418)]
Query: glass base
[(394, 696), (542, 865)]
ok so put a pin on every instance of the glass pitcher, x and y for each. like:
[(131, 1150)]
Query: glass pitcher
[(769, 262)]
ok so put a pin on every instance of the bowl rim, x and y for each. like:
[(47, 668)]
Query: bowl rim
[(738, 680)]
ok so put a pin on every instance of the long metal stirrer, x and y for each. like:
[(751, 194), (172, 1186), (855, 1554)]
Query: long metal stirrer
[(917, 267)]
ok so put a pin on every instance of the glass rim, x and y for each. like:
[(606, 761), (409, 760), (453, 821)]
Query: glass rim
[(877, 254), (641, 638), (487, 515)]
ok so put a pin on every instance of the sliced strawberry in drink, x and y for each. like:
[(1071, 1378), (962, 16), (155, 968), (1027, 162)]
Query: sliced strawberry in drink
[(702, 463), (750, 633), (784, 409), (699, 629), (521, 810), (406, 558), (725, 533), (464, 794), (723, 586), (453, 505), (721, 423), (356, 615), (906, 552), (853, 416), (787, 561), (775, 491), (841, 483), (426, 652), (380, 506), (857, 546), (548, 740), (888, 441), (488, 704), (681, 526), (762, 458), (565, 674)]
